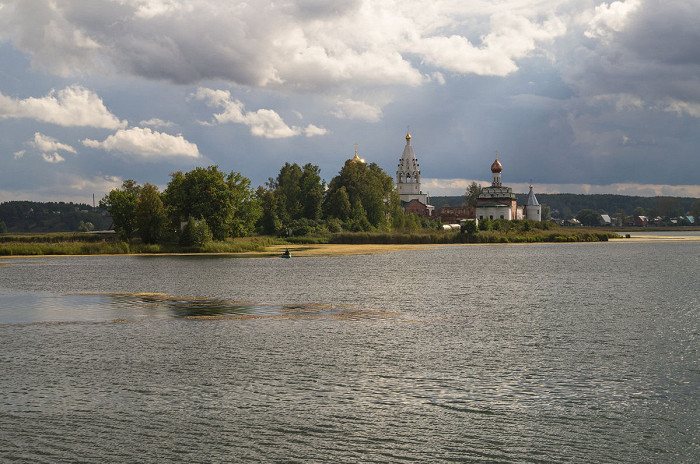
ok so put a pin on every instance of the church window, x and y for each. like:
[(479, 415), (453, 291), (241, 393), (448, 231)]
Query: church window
[(491, 216), (501, 216)]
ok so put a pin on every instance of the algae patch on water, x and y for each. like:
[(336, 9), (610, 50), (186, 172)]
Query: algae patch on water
[(206, 308)]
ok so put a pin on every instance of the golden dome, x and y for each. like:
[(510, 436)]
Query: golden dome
[(496, 166), (408, 136), (356, 158)]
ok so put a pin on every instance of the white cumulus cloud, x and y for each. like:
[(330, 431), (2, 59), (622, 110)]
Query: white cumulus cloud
[(610, 18), (46, 144), (52, 158), (263, 122), (354, 109), (145, 143), (156, 122), (72, 106)]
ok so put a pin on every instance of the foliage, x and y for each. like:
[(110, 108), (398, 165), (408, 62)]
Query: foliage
[(47, 217), (695, 211), (472, 193), (588, 217), (150, 214), (367, 188), (85, 226), (196, 233), (3, 227), (470, 227), (121, 204), (296, 193), (226, 202)]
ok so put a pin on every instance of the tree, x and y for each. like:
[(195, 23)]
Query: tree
[(150, 214), (668, 207), (311, 192), (695, 211), (588, 217), (472, 193), (338, 204), (3, 227), (639, 211), (366, 183), (196, 233), (470, 227), (225, 202), (546, 213), (121, 204)]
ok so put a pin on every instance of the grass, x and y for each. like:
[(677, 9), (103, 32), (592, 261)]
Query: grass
[(97, 244)]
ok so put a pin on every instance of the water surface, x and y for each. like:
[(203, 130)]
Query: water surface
[(490, 353)]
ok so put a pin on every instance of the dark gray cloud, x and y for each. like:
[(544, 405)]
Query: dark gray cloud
[(571, 93)]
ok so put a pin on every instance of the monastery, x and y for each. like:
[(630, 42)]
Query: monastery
[(494, 202)]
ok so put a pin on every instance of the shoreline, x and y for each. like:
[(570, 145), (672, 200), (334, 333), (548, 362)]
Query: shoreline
[(332, 249)]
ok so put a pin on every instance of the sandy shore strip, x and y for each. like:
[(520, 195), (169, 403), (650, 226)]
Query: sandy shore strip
[(650, 238), (328, 249)]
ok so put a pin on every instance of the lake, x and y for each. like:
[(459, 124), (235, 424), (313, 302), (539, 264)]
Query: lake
[(539, 353)]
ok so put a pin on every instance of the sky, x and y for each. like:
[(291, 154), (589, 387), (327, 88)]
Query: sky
[(574, 96)]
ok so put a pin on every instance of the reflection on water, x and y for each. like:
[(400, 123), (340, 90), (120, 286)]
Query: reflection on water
[(82, 307)]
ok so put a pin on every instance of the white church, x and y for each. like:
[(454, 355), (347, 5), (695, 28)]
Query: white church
[(498, 201), (408, 183), (494, 202)]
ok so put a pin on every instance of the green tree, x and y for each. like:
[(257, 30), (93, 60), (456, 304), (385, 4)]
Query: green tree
[(196, 233), (472, 193), (3, 227), (225, 202), (311, 192), (121, 204), (668, 207), (150, 214), (269, 222), (695, 211), (85, 226), (470, 227), (546, 213), (368, 184), (639, 211), (588, 217), (338, 204)]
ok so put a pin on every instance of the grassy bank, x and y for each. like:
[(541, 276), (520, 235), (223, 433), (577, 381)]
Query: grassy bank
[(451, 237), (101, 244), (96, 244)]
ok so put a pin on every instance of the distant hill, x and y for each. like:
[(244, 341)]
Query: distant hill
[(38, 217), (566, 205)]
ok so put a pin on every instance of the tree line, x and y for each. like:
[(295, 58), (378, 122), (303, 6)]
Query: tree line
[(207, 204)]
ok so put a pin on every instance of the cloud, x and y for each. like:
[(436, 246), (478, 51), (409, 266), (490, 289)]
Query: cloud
[(62, 186), (147, 144), (311, 131), (53, 158), (45, 144), (610, 18), (156, 122), (19, 154), (298, 44), (263, 123), (681, 107), (512, 37), (72, 106), (353, 109)]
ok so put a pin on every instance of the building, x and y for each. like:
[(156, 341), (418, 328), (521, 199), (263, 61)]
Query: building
[(499, 202), (532, 209), (408, 181)]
